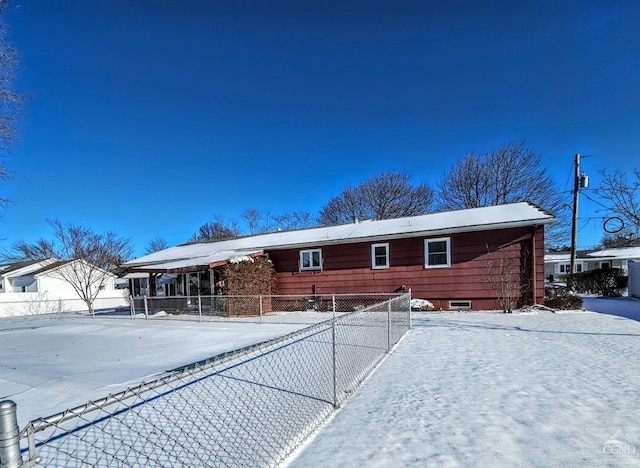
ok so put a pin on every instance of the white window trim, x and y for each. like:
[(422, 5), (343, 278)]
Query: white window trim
[(426, 252), (373, 256), (310, 252)]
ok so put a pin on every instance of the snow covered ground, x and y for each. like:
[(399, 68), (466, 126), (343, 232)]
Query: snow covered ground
[(49, 365), (490, 389), (461, 389)]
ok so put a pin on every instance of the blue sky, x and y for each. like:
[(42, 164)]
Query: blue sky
[(150, 118)]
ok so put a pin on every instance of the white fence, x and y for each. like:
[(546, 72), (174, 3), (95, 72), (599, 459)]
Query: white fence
[(12, 304), (634, 278)]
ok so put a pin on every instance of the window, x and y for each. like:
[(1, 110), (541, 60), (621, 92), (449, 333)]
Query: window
[(380, 256), (437, 253), (566, 268), (311, 259), (460, 304)]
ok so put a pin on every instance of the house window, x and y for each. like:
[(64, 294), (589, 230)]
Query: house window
[(437, 253), (567, 268), (311, 259), (380, 256)]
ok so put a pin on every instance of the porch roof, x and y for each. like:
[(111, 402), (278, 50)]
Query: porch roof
[(195, 264)]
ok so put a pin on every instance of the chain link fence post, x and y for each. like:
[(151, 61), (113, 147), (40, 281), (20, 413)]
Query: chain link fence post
[(9, 436), (389, 326), (200, 307), (335, 363), (261, 309), (146, 308), (333, 307), (132, 306), (410, 318)]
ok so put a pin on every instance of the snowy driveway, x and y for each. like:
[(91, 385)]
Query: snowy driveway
[(490, 389)]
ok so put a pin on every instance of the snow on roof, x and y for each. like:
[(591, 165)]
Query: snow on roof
[(30, 267), (563, 257), (476, 219), (621, 253)]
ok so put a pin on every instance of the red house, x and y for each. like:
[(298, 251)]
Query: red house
[(454, 259)]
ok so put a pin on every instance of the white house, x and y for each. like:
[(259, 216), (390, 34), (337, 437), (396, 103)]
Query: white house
[(34, 287), (20, 277), (559, 264)]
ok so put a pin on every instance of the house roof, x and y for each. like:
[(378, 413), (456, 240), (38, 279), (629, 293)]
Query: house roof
[(623, 253), (209, 254), (61, 263), (29, 267)]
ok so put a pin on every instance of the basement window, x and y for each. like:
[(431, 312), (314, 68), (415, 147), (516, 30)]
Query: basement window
[(437, 253), (311, 259), (459, 304), (380, 255)]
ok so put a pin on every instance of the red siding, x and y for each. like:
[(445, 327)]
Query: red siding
[(347, 268)]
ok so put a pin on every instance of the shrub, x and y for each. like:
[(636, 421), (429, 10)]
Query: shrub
[(564, 302), (603, 282), (248, 276)]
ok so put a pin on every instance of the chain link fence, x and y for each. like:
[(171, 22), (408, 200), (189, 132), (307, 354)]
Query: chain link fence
[(263, 309), (250, 407)]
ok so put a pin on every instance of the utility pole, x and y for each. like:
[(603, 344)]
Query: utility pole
[(581, 181), (574, 220)]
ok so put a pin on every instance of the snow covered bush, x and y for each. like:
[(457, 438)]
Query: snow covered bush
[(421, 305)]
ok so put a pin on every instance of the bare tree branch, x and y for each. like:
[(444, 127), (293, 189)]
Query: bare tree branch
[(10, 100), (83, 257), (510, 174), (156, 245), (622, 197), (218, 229), (383, 196)]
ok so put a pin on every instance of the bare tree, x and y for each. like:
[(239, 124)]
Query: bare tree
[(156, 245), (622, 197), (383, 196), (218, 229), (84, 257), (624, 238), (10, 100), (507, 275), (510, 174), (262, 222), (253, 218), (293, 220)]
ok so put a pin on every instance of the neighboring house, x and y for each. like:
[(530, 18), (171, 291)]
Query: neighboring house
[(442, 257), (559, 264), (38, 287), (43, 276), (20, 277)]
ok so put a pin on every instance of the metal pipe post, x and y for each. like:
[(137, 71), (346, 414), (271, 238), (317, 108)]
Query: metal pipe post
[(335, 364), (389, 326), (9, 436)]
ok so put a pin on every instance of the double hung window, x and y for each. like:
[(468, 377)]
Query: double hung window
[(311, 259), (380, 255), (437, 253)]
